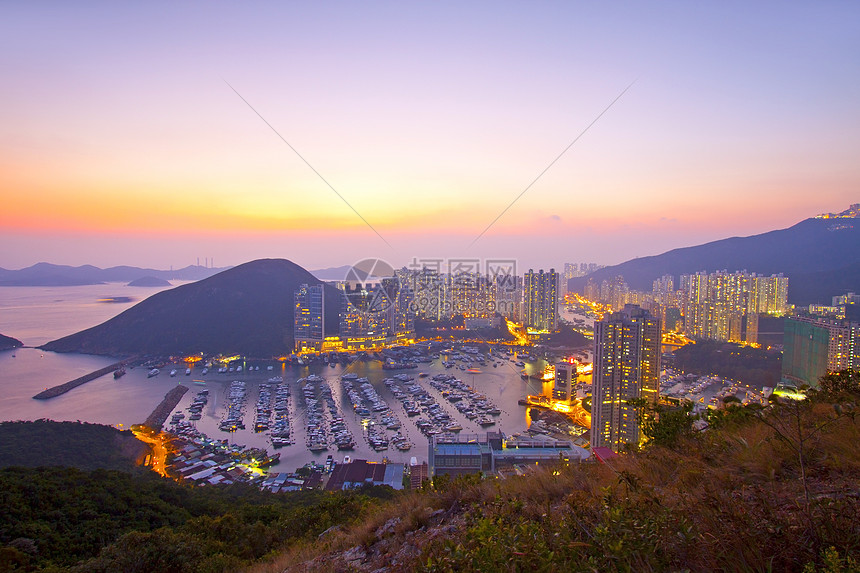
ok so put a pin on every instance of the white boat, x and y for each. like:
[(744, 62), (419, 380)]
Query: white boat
[(173, 373), (188, 371), (153, 372)]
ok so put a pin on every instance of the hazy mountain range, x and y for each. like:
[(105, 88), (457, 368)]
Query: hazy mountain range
[(245, 310), (47, 274), (821, 257)]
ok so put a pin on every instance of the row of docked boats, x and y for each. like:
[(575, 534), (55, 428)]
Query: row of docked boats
[(197, 404), (376, 434), (326, 426), (377, 416), (235, 408), (280, 429), (468, 401), (263, 408), (417, 400), (178, 422), (317, 436), (174, 372), (471, 358), (342, 437)]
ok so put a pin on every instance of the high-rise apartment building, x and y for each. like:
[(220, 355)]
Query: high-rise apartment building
[(572, 270), (626, 366), (365, 313), (402, 310), (309, 317), (565, 378), (508, 296), (724, 306), (815, 346), (541, 300)]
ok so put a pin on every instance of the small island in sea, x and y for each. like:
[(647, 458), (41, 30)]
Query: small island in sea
[(8, 343), (149, 281)]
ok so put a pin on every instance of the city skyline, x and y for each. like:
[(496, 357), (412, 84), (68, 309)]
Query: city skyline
[(122, 143)]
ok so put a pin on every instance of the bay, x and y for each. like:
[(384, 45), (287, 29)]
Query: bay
[(36, 315)]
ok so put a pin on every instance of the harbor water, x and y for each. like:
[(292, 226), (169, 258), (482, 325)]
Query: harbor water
[(36, 315)]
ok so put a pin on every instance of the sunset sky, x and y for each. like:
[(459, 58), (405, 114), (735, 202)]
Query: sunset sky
[(121, 142)]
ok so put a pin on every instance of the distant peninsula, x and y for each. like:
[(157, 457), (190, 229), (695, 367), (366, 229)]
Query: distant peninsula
[(8, 343), (149, 281), (47, 274), (245, 310)]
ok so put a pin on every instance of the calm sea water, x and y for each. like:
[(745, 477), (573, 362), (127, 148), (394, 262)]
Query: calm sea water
[(36, 315)]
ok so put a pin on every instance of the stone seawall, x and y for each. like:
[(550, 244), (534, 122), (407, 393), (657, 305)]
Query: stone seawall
[(162, 411)]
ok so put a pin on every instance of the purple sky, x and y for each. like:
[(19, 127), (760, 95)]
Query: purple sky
[(120, 143)]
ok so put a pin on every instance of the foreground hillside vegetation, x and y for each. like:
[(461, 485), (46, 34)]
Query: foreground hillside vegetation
[(71, 444), (65, 519), (763, 489), (73, 499)]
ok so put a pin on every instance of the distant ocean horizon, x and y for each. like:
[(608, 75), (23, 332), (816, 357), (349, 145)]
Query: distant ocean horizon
[(36, 315)]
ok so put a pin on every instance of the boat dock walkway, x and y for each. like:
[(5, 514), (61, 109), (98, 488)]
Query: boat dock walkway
[(63, 388)]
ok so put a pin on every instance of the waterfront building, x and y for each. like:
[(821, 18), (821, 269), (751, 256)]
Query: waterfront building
[(418, 473), (377, 314), (491, 452), (626, 366), (564, 381), (309, 317), (365, 317), (541, 300), (361, 472)]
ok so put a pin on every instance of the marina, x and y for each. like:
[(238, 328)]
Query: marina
[(379, 409)]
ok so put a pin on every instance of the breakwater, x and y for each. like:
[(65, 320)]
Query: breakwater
[(159, 415), (63, 388)]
